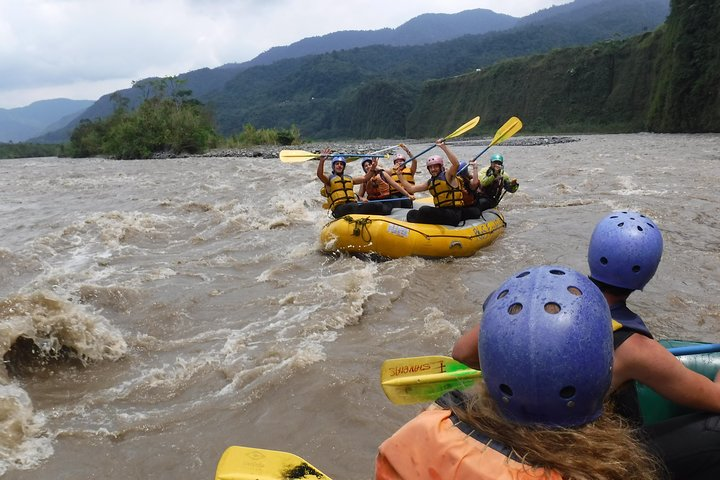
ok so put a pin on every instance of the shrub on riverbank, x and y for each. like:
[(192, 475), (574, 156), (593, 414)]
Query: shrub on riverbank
[(28, 150), (265, 136), (169, 122)]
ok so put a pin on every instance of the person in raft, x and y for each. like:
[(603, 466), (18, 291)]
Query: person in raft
[(338, 188), (538, 412), (400, 168), (493, 183), (623, 255), (470, 190), (378, 187), (445, 190)]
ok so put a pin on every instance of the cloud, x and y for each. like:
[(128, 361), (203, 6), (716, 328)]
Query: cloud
[(83, 46)]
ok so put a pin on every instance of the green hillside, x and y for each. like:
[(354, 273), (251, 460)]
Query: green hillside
[(370, 92), (665, 81)]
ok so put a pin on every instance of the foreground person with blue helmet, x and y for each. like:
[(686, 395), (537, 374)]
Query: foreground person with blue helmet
[(547, 355), (624, 254)]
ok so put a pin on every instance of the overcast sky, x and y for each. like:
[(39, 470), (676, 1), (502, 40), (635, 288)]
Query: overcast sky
[(83, 49)]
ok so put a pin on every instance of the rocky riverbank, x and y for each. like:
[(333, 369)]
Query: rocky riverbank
[(364, 146)]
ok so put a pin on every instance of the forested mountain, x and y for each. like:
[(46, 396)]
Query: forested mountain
[(664, 81), (370, 91), (19, 124), (427, 28)]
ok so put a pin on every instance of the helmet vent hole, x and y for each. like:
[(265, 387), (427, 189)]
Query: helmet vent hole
[(557, 272), (503, 294), (604, 260), (621, 224), (567, 392), (636, 268), (515, 308), (506, 390), (640, 229), (552, 308), (575, 291), (651, 225), (523, 274)]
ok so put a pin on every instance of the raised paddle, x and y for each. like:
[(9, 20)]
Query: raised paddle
[(386, 149), (466, 127), (424, 379), (244, 463), (297, 156), (509, 128)]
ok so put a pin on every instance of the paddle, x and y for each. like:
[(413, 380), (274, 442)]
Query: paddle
[(509, 128), (466, 127), (297, 156), (695, 349), (244, 463), (391, 147), (423, 379)]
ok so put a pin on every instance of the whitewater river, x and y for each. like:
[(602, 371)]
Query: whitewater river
[(206, 316)]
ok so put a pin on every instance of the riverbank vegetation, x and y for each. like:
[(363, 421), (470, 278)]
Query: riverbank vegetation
[(28, 150), (168, 121)]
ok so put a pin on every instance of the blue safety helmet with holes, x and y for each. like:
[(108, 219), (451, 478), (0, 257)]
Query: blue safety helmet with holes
[(625, 250), (546, 347)]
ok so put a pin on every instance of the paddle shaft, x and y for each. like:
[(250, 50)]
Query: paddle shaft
[(695, 349)]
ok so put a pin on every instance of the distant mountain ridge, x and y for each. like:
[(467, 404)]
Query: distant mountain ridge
[(23, 123), (320, 91), (370, 92), (423, 29)]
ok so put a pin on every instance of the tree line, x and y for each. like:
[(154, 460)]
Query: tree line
[(169, 120)]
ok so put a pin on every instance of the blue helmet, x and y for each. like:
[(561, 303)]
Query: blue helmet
[(625, 250), (462, 168), (546, 347), (338, 159)]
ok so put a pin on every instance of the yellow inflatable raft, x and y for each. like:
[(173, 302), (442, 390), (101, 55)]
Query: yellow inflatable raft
[(391, 236)]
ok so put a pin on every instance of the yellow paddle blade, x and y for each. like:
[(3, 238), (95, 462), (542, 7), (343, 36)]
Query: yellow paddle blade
[(424, 379), (296, 156), (464, 128), (510, 128), (243, 463)]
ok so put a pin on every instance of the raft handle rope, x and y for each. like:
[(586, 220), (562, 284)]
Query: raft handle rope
[(360, 228)]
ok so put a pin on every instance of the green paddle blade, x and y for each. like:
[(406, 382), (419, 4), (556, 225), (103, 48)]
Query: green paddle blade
[(424, 379), (243, 463)]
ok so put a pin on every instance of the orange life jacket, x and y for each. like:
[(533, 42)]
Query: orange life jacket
[(377, 188), (467, 195), (431, 447)]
